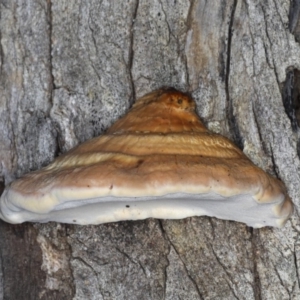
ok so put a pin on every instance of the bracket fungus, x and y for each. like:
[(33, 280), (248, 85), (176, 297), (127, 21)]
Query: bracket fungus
[(157, 161)]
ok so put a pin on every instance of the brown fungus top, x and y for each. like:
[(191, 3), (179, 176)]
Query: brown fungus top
[(158, 161)]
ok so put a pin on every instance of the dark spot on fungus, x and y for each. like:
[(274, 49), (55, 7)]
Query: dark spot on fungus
[(111, 187), (139, 162), (74, 221), (127, 206), (179, 101)]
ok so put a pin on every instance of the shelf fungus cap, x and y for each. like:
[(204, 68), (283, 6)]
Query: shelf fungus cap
[(157, 161)]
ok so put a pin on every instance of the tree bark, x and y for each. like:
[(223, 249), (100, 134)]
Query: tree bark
[(69, 69)]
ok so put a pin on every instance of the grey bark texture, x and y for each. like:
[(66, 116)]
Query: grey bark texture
[(69, 69)]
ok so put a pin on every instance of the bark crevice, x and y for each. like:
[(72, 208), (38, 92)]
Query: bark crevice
[(294, 24), (232, 122), (171, 244), (131, 52), (256, 282)]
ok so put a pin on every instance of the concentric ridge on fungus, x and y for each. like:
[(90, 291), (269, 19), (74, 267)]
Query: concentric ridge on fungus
[(157, 161)]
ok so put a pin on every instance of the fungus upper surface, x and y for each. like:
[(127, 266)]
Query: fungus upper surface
[(157, 161)]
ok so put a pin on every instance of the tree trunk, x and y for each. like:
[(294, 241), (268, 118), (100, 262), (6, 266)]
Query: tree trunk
[(69, 69)]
